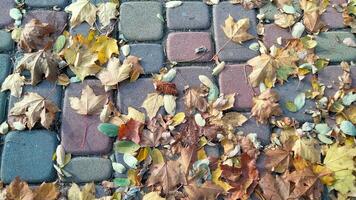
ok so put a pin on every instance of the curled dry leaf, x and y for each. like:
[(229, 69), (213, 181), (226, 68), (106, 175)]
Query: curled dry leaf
[(284, 20), (131, 131), (114, 73), (82, 11), (33, 108), (265, 106), (194, 99), (106, 12), (19, 190), (249, 4), (14, 83), (87, 192), (136, 67), (207, 190), (47, 191), (88, 103), (36, 35), (274, 187), (237, 31), (166, 87), (152, 104)]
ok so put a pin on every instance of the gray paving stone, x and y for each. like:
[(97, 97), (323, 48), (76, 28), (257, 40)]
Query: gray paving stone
[(28, 154), (189, 15), (82, 28), (88, 169), (3, 103), (331, 17), (263, 131), (330, 46), (139, 21), (232, 51), (152, 57), (5, 66), (5, 6), (79, 133), (288, 91), (46, 3), (6, 42)]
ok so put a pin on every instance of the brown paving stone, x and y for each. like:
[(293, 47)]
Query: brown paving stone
[(5, 6), (273, 32), (332, 18)]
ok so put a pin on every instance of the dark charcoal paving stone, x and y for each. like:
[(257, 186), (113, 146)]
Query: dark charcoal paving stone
[(189, 15), (330, 46), (233, 80), (28, 154), (88, 169), (139, 21), (288, 91), (6, 42), (272, 32), (5, 6), (233, 51), (181, 46), (152, 57), (46, 3), (74, 125), (331, 17), (330, 78), (55, 18), (3, 103), (263, 131)]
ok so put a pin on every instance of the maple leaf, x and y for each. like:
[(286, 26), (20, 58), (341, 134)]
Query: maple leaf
[(308, 149), (312, 15), (41, 63), (88, 103), (114, 73), (106, 12), (32, 108), (105, 47), (207, 190), (278, 160), (82, 10), (152, 103), (19, 190), (166, 87), (87, 193), (152, 136), (167, 174), (14, 83), (284, 20), (194, 98), (48, 191), (136, 67), (265, 105), (274, 187), (36, 35), (131, 131), (237, 31)]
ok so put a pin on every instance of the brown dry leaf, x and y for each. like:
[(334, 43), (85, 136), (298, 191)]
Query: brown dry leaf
[(349, 20), (136, 67), (88, 103), (14, 83), (234, 119), (265, 106), (131, 131), (249, 4), (237, 31), (205, 191), (274, 187), (36, 35), (284, 20), (188, 157), (152, 104), (194, 99), (46, 191), (40, 64), (19, 190), (114, 73), (313, 22), (278, 160), (63, 80), (166, 87), (82, 11), (168, 175), (33, 108)]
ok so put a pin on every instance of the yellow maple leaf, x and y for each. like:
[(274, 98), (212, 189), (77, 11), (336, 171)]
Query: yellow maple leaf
[(105, 47), (216, 179), (237, 31), (82, 10)]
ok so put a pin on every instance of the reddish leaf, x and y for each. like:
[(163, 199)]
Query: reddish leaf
[(166, 87), (131, 131)]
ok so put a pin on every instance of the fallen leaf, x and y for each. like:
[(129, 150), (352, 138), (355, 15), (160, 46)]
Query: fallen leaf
[(278, 160), (33, 108), (106, 12), (207, 190), (187, 158), (88, 103), (237, 31), (114, 73), (152, 195), (105, 47), (136, 67), (308, 149), (87, 192), (249, 4), (14, 83), (82, 11), (194, 99), (284, 20), (19, 190), (274, 187), (63, 80), (313, 22), (265, 106), (166, 87), (46, 191), (131, 131), (152, 104)]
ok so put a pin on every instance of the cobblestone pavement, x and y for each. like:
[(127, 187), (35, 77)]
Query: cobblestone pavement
[(174, 38)]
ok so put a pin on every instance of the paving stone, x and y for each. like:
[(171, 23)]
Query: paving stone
[(269, 9), (181, 46), (6, 43), (288, 91), (28, 154), (331, 17), (330, 78), (57, 19), (273, 32), (189, 15), (263, 131), (47, 3), (232, 51), (5, 66), (330, 46), (152, 57), (233, 80), (74, 126), (82, 28), (5, 6), (88, 169), (139, 21), (3, 102)]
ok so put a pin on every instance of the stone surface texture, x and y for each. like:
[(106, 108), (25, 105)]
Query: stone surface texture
[(6, 43), (5, 6), (46, 3), (273, 32), (58, 19)]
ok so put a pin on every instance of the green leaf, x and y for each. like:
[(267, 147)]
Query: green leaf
[(349, 99), (291, 106), (59, 44), (348, 128), (108, 129), (299, 101), (284, 72), (128, 147), (121, 182), (118, 167), (157, 157), (308, 42), (130, 160), (325, 139), (323, 129)]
